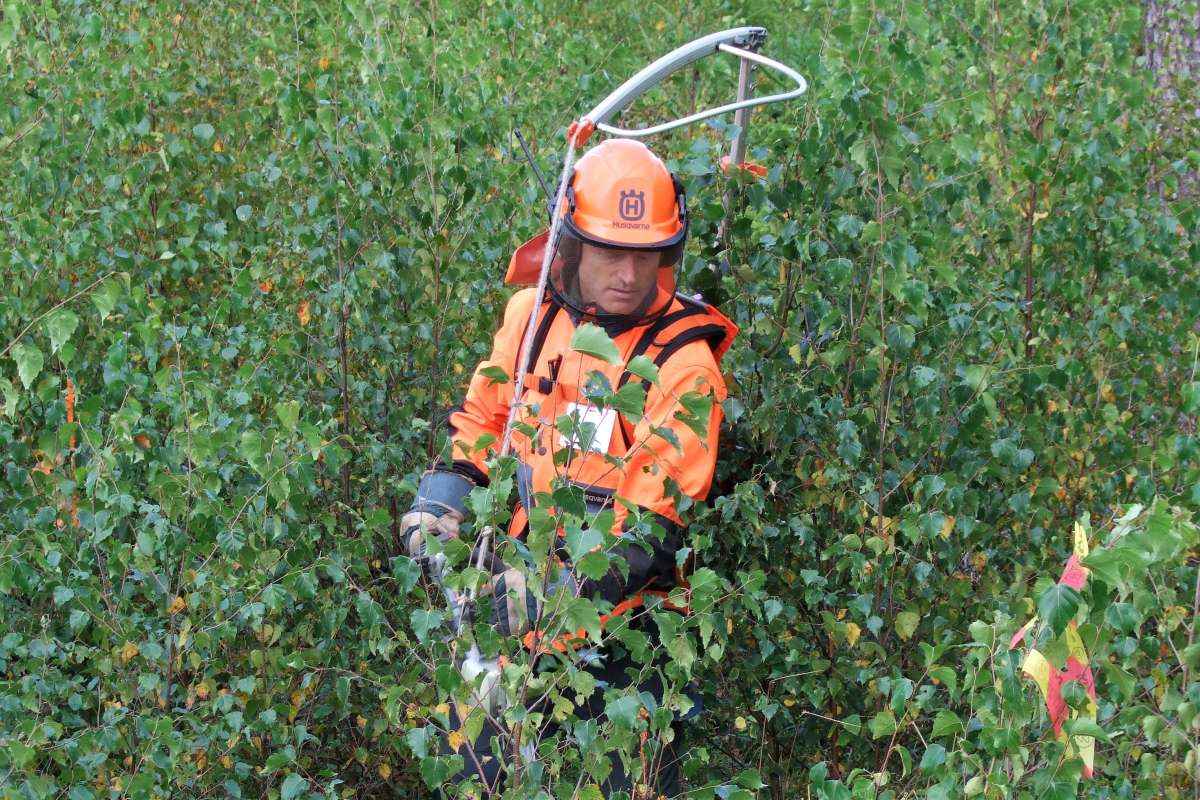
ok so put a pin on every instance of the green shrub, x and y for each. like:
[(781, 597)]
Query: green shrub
[(264, 243)]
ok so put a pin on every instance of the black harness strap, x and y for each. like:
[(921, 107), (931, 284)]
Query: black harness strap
[(648, 338), (714, 334), (545, 386)]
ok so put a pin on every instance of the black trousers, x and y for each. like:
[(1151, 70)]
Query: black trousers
[(657, 767)]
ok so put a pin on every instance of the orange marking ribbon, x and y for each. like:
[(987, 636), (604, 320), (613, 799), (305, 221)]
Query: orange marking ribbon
[(1050, 679)]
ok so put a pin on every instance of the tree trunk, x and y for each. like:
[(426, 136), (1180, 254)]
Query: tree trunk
[(1172, 46)]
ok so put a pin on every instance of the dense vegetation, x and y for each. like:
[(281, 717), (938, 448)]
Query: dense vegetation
[(251, 253)]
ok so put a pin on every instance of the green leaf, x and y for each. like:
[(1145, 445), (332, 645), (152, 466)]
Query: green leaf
[(593, 565), (1074, 695), (946, 676), (906, 624), (29, 363), (293, 786), (883, 724), (643, 368), (858, 154), (105, 298), (1082, 726), (289, 414), (1124, 682), (975, 376), (947, 722), (1058, 605), (10, 27), (697, 410), (590, 791), (581, 541), (1191, 655), (669, 435), (1114, 564), (11, 398), (251, 449), (20, 755), (630, 400), (750, 779), (1122, 616), (419, 739), (203, 131), (623, 711), (935, 756), (1191, 397), (423, 621), (59, 326), (495, 375), (591, 340), (407, 572), (581, 614)]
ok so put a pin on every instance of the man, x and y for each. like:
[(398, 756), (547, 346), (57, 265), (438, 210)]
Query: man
[(624, 230)]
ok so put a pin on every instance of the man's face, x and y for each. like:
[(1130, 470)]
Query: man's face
[(618, 281)]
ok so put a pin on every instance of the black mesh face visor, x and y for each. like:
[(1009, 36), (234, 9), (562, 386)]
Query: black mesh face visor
[(617, 286)]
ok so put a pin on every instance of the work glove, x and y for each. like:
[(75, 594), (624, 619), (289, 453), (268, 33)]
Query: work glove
[(415, 524), (516, 607)]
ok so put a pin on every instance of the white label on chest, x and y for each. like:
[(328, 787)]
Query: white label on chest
[(593, 428)]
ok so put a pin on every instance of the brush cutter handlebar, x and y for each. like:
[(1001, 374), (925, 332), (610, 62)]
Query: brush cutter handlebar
[(736, 41)]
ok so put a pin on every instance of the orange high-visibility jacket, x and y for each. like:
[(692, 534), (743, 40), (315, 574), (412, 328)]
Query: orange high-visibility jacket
[(686, 343)]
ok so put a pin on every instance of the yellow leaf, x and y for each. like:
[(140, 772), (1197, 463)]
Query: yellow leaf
[(456, 739), (385, 770), (740, 723), (947, 527), (658, 26), (1106, 392), (1080, 544), (852, 633), (442, 708), (323, 63), (303, 313), (177, 605), (128, 652), (218, 146)]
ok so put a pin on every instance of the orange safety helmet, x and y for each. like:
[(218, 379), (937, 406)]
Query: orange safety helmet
[(621, 197)]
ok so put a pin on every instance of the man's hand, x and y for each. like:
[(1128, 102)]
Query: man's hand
[(415, 524), (516, 607)]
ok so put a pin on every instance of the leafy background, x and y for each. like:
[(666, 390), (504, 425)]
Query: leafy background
[(261, 246)]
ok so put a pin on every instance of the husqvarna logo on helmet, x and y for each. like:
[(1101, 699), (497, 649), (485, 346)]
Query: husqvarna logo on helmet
[(631, 205)]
